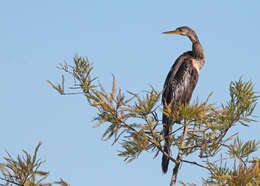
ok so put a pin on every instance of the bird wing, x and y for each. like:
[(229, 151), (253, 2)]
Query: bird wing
[(171, 81), (180, 83), (186, 80)]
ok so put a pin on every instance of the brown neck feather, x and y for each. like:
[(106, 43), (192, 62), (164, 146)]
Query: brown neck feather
[(197, 50)]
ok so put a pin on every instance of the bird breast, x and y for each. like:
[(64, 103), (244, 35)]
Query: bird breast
[(197, 64)]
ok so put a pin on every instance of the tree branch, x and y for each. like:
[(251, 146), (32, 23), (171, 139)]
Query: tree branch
[(195, 163), (9, 181), (180, 154)]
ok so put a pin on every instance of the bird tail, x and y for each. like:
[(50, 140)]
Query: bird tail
[(165, 159), (167, 125)]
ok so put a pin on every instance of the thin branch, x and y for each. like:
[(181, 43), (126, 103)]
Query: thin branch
[(72, 93), (176, 130), (179, 156), (9, 181), (195, 163)]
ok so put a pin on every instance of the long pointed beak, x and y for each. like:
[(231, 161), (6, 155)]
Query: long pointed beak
[(172, 32)]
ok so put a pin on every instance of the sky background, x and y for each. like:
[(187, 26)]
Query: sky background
[(123, 38)]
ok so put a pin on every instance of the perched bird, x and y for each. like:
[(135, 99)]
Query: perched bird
[(180, 83)]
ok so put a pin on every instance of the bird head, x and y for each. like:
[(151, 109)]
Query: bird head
[(184, 30)]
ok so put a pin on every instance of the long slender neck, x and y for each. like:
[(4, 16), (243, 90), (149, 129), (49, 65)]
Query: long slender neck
[(197, 49)]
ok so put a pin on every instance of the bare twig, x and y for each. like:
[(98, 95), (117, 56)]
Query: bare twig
[(176, 130), (195, 163), (72, 93)]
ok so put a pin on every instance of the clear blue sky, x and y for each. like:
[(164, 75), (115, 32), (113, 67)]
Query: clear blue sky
[(120, 37)]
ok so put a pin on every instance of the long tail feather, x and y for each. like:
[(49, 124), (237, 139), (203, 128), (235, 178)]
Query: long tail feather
[(167, 125)]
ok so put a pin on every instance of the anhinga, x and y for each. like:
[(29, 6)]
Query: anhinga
[(180, 82)]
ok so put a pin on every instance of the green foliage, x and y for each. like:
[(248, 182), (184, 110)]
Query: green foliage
[(240, 150), (132, 121), (24, 170), (242, 173)]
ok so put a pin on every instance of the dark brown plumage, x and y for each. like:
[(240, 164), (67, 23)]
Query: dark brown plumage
[(180, 82)]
